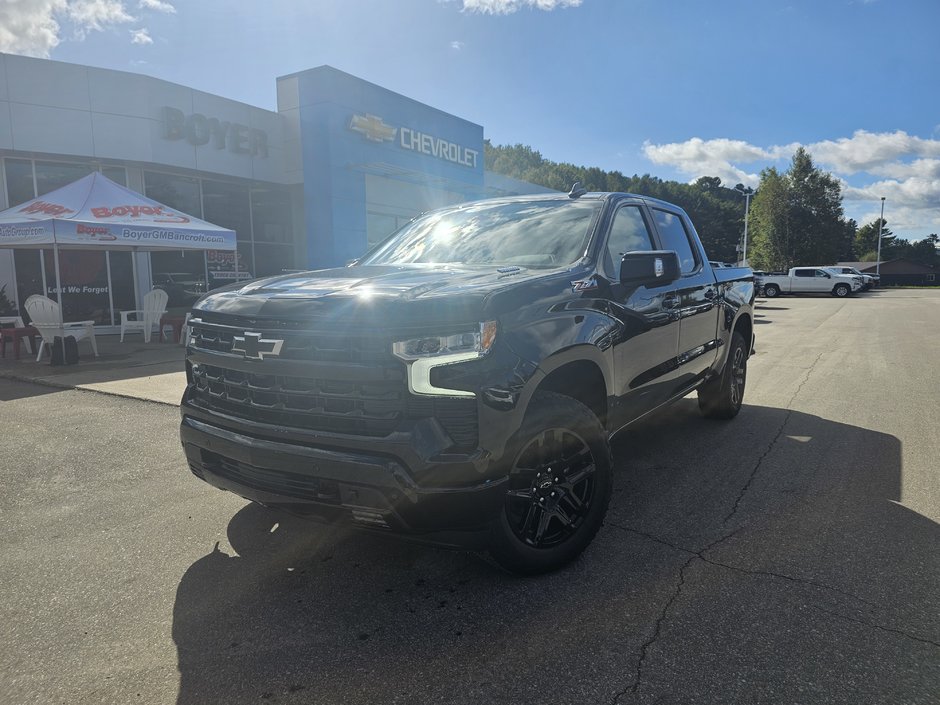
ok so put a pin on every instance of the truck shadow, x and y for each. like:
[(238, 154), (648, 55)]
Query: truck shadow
[(302, 613)]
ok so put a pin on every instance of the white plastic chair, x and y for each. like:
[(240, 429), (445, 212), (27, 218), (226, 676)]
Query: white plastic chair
[(46, 317), (144, 319)]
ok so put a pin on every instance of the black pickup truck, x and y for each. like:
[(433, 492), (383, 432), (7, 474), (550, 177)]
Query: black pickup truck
[(460, 383)]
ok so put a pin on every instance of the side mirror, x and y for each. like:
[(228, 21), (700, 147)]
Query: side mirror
[(656, 268)]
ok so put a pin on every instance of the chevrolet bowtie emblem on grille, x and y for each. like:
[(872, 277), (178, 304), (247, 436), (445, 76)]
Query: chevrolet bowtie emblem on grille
[(254, 347), (372, 128)]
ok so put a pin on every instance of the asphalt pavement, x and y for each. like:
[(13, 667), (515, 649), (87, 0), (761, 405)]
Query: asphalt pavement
[(788, 556)]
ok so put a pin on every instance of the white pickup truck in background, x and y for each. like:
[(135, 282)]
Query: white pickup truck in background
[(811, 280), (868, 280)]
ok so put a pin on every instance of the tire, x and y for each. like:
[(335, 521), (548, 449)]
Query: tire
[(560, 480), (841, 290), (771, 291), (721, 398)]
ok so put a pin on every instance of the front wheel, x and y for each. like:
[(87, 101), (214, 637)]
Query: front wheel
[(559, 487), (771, 291), (841, 290), (721, 398)]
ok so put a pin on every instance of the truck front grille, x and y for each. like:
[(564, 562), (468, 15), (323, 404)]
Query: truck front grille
[(331, 398)]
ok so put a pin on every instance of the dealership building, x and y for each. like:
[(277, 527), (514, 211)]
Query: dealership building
[(339, 165)]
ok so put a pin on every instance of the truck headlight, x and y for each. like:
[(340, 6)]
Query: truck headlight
[(427, 352)]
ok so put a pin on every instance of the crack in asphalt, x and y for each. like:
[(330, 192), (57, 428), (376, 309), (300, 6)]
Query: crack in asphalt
[(901, 632), (654, 637), (773, 443), (644, 650), (747, 571)]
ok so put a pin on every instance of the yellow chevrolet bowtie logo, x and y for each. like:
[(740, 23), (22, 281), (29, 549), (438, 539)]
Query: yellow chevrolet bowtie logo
[(372, 128)]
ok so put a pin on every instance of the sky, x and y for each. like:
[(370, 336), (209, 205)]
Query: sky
[(674, 88)]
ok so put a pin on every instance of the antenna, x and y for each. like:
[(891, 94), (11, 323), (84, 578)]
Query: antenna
[(577, 190)]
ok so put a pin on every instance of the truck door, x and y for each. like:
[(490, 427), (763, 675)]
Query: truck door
[(697, 298), (647, 340)]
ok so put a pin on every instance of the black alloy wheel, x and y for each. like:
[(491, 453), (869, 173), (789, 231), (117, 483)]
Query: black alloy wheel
[(551, 488), (558, 486), (722, 397)]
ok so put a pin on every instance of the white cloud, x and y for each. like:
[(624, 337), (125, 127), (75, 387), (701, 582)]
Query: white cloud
[(457, 45), (867, 151), (906, 167), (97, 14), (141, 36), (29, 26), (33, 27), (505, 7), (697, 157), (158, 5)]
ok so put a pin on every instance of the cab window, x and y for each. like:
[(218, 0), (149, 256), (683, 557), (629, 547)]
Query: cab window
[(628, 233), (674, 236)]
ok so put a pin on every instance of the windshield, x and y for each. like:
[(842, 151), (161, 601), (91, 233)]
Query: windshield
[(525, 233)]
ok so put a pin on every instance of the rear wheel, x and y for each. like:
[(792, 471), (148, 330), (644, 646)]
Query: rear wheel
[(841, 290), (771, 291), (722, 397), (559, 487)]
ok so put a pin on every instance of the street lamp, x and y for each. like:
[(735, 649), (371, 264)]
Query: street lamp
[(747, 192), (881, 221)]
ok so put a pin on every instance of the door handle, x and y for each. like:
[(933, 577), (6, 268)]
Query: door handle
[(671, 301), (710, 294)]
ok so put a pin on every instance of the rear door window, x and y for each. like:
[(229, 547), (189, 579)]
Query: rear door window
[(675, 237)]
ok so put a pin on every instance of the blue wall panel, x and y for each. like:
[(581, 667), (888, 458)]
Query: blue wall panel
[(336, 158)]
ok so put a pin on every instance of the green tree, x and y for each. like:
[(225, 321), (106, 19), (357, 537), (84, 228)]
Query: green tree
[(716, 211), (770, 223), (866, 240), (798, 217), (817, 223)]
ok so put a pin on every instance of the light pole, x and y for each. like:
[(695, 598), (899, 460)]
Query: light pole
[(747, 192), (881, 221)]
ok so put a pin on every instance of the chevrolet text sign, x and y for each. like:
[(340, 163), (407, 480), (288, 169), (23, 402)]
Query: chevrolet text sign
[(375, 129), (197, 129)]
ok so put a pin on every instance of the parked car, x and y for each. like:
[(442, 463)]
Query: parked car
[(811, 280), (182, 288), (868, 280), (460, 382)]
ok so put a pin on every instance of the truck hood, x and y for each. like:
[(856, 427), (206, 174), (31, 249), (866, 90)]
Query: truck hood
[(418, 292)]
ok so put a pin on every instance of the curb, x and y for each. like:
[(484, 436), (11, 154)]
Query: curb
[(63, 385)]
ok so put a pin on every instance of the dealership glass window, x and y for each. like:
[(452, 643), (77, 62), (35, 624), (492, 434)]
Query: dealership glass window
[(273, 259), (117, 174), (28, 265), (380, 225), (122, 283), (228, 205), (271, 216), (84, 280), (181, 274), (19, 178), (178, 192), (53, 175)]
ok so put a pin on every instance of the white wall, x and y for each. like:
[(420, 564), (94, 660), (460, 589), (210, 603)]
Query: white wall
[(55, 108)]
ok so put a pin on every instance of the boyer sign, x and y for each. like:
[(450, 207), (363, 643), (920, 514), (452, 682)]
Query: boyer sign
[(199, 130)]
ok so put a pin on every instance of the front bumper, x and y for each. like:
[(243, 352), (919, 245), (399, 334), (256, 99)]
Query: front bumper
[(361, 487)]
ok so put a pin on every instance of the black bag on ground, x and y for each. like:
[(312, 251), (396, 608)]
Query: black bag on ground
[(58, 352), (71, 350), (64, 352)]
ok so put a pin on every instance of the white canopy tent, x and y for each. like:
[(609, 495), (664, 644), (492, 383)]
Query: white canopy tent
[(96, 213)]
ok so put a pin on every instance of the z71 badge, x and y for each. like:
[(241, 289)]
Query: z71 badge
[(584, 284)]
